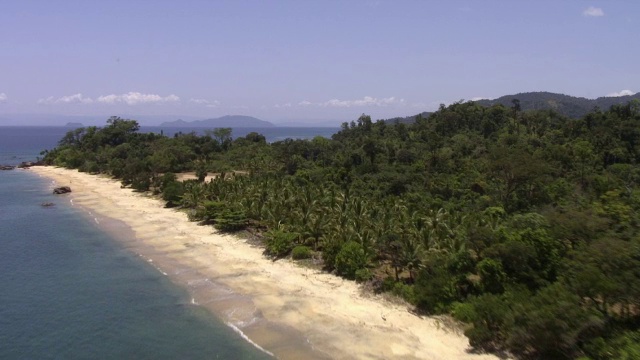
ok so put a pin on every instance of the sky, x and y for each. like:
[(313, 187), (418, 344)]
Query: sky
[(304, 62)]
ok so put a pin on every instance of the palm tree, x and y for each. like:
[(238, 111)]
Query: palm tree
[(192, 194), (412, 255), (439, 229), (316, 227)]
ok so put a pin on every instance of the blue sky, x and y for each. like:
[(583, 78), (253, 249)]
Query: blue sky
[(307, 61)]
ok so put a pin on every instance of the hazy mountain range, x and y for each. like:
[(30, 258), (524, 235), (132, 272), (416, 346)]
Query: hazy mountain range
[(235, 121), (571, 106), (574, 107)]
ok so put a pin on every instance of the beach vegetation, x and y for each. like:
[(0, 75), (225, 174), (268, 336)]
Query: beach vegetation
[(231, 220), (172, 193), (301, 252), (351, 260), (279, 243), (523, 224)]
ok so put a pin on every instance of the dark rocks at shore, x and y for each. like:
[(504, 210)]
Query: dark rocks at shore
[(28, 164), (62, 190), (22, 165), (47, 204)]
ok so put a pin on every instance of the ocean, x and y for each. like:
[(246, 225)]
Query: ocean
[(272, 134), (70, 290)]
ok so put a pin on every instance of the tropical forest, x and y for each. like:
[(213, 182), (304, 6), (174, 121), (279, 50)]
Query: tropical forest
[(522, 225)]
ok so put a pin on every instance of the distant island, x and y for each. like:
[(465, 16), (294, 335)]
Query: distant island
[(233, 121), (74, 124)]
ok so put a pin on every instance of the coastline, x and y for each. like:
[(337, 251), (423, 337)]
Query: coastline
[(287, 310)]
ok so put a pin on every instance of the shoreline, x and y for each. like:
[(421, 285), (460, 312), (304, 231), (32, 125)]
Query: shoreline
[(280, 307)]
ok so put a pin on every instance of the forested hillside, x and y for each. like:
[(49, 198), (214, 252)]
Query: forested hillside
[(407, 119), (571, 106), (521, 224)]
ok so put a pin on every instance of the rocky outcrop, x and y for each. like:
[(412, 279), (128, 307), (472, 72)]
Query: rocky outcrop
[(62, 190), (28, 164), (7, 167), (47, 204)]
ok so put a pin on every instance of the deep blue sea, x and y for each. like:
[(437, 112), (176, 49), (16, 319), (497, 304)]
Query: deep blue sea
[(70, 291)]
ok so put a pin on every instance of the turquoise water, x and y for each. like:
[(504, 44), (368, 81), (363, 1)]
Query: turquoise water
[(69, 291)]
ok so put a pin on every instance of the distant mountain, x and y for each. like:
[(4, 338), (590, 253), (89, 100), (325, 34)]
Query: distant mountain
[(74, 124), (574, 107), (232, 121)]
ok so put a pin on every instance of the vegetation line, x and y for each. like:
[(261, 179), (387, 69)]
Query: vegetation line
[(522, 224)]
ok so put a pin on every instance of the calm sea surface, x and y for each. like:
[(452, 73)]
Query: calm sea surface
[(24, 143), (70, 291)]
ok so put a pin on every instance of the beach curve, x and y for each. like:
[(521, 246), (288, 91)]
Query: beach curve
[(288, 310)]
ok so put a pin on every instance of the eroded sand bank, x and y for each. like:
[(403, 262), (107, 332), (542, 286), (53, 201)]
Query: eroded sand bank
[(289, 311)]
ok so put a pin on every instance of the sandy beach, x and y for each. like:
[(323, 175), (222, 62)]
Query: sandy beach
[(290, 311)]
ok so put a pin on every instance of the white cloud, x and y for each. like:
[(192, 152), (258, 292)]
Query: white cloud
[(133, 98), (207, 103), (621, 93), (478, 98), (67, 99), (419, 105), (592, 11), (3, 97), (285, 105), (365, 101), (49, 100)]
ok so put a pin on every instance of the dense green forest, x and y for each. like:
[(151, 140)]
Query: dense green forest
[(521, 224)]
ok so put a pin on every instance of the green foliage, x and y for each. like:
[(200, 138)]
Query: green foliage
[(551, 325), (363, 275), (488, 315), (404, 291), (211, 210), (350, 259), (625, 346), (141, 181), (301, 252), (231, 220), (279, 243), (435, 288), (605, 274), (492, 276), (172, 192), (330, 252), (91, 167), (201, 173)]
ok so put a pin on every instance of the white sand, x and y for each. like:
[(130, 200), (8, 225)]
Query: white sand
[(290, 311)]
